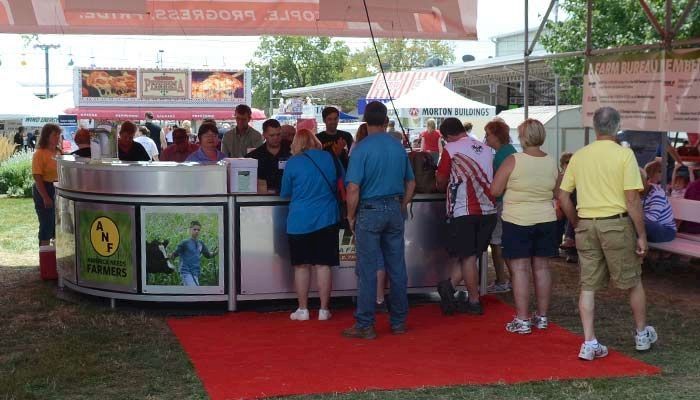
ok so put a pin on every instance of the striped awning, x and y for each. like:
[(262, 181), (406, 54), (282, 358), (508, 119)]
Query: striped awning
[(401, 83)]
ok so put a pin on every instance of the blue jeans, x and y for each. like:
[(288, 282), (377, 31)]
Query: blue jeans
[(657, 233), (379, 235)]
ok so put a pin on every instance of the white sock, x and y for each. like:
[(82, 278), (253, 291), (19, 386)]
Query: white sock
[(592, 343), (642, 332)]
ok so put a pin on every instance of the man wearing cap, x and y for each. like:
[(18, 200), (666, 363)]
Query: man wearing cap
[(155, 132), (242, 137)]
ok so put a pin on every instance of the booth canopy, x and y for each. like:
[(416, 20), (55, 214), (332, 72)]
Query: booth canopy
[(440, 19), (137, 113), (18, 102), (400, 83), (435, 100)]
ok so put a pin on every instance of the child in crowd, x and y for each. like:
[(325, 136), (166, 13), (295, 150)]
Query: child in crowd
[(658, 215), (190, 251), (680, 184), (569, 244)]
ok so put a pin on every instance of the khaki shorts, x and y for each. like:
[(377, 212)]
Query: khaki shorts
[(606, 251)]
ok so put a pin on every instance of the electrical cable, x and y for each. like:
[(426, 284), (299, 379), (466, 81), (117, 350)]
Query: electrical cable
[(406, 140)]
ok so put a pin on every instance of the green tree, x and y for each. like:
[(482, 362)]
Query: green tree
[(397, 55), (296, 62), (616, 23)]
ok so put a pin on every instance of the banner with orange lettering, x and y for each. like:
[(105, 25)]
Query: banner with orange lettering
[(438, 19)]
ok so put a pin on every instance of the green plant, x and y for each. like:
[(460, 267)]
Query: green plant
[(16, 175)]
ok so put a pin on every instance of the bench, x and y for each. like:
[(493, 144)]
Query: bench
[(684, 244)]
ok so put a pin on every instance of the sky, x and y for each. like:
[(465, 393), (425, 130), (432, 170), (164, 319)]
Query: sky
[(494, 18)]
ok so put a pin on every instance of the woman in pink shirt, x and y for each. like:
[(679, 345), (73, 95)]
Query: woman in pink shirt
[(430, 140)]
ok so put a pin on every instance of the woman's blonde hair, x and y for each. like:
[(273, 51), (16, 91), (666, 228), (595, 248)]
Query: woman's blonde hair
[(532, 133), (431, 124), (304, 140)]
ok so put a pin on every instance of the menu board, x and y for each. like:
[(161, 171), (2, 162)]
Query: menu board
[(164, 84), (215, 86), (108, 83), (656, 91)]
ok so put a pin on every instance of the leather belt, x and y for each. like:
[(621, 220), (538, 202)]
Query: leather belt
[(616, 216)]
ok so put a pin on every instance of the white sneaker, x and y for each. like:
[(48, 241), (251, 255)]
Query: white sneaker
[(299, 315), (644, 340), (589, 352), (540, 322), (324, 315), (521, 326)]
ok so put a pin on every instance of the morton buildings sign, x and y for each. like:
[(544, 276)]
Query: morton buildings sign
[(457, 112)]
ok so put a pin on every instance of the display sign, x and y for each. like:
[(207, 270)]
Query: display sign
[(218, 86), (69, 125), (458, 112), (110, 84), (656, 91), (182, 249), (163, 84), (347, 251), (106, 246), (65, 238)]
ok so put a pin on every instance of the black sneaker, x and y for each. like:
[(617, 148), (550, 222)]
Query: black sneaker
[(448, 305), (472, 308), (399, 329)]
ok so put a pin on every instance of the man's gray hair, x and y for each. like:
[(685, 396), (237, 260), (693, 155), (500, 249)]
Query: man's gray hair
[(606, 121)]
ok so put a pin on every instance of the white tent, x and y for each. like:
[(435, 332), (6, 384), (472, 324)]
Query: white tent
[(18, 102), (571, 131), (431, 99)]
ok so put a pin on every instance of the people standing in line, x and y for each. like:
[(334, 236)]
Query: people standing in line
[(129, 150), (312, 223), (207, 135), (380, 185), (20, 139), (497, 136), (168, 135), (391, 130), (45, 173), (465, 171), (181, 147), (82, 140), (329, 137), (610, 236), (272, 157), (141, 137), (658, 214), (529, 181), (430, 140), (155, 133), (236, 142)]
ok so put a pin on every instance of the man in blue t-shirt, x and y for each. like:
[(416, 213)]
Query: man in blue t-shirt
[(380, 186), (190, 251)]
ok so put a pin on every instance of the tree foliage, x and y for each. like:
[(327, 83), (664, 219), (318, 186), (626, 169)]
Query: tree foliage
[(296, 62), (616, 23)]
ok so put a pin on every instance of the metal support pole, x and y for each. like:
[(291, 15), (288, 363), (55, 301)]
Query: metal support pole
[(46, 63), (526, 78), (270, 70), (589, 29), (668, 25), (664, 159), (531, 48)]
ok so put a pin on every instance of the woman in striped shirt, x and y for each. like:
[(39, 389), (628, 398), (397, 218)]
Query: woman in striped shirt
[(658, 215)]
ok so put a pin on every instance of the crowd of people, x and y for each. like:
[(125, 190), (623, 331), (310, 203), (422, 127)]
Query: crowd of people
[(520, 204)]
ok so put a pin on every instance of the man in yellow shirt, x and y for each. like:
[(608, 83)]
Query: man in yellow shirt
[(610, 236)]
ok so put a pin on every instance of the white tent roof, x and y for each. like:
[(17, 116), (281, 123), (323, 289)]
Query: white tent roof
[(18, 102), (432, 94), (58, 104), (543, 114)]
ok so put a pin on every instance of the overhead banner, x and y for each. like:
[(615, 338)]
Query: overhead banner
[(658, 91), (445, 19), (164, 84)]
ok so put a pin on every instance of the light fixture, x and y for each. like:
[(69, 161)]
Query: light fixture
[(23, 62), (70, 62)]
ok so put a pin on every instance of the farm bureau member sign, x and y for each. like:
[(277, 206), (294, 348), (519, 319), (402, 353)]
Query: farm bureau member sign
[(106, 248)]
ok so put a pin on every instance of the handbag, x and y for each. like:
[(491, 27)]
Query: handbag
[(339, 191)]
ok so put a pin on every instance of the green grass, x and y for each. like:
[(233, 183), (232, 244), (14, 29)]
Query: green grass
[(54, 349)]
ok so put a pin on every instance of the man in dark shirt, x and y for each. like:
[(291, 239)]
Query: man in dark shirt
[(129, 150), (82, 139), (155, 132), (331, 116), (271, 155)]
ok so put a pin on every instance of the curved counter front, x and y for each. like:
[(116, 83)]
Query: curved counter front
[(171, 232)]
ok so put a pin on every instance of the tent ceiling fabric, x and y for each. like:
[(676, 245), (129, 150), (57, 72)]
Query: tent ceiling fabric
[(437, 19)]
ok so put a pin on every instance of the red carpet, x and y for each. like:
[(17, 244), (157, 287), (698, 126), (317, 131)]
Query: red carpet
[(254, 355)]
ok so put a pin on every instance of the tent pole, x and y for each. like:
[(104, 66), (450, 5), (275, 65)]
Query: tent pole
[(526, 61), (589, 24)]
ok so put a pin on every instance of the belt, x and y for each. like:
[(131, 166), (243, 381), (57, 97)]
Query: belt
[(616, 216)]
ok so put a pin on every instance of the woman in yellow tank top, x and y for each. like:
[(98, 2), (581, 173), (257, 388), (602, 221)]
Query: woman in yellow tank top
[(529, 180)]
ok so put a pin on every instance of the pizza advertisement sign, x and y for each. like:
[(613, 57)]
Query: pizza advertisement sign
[(155, 87), (164, 84), (107, 84), (219, 86)]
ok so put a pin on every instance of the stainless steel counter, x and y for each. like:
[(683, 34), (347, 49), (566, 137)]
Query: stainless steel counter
[(141, 178)]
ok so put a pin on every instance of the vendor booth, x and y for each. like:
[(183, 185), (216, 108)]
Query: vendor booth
[(119, 223)]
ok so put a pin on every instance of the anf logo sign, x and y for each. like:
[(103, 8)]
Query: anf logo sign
[(104, 236)]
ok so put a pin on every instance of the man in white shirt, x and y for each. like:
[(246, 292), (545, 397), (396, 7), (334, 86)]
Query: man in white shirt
[(142, 137)]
